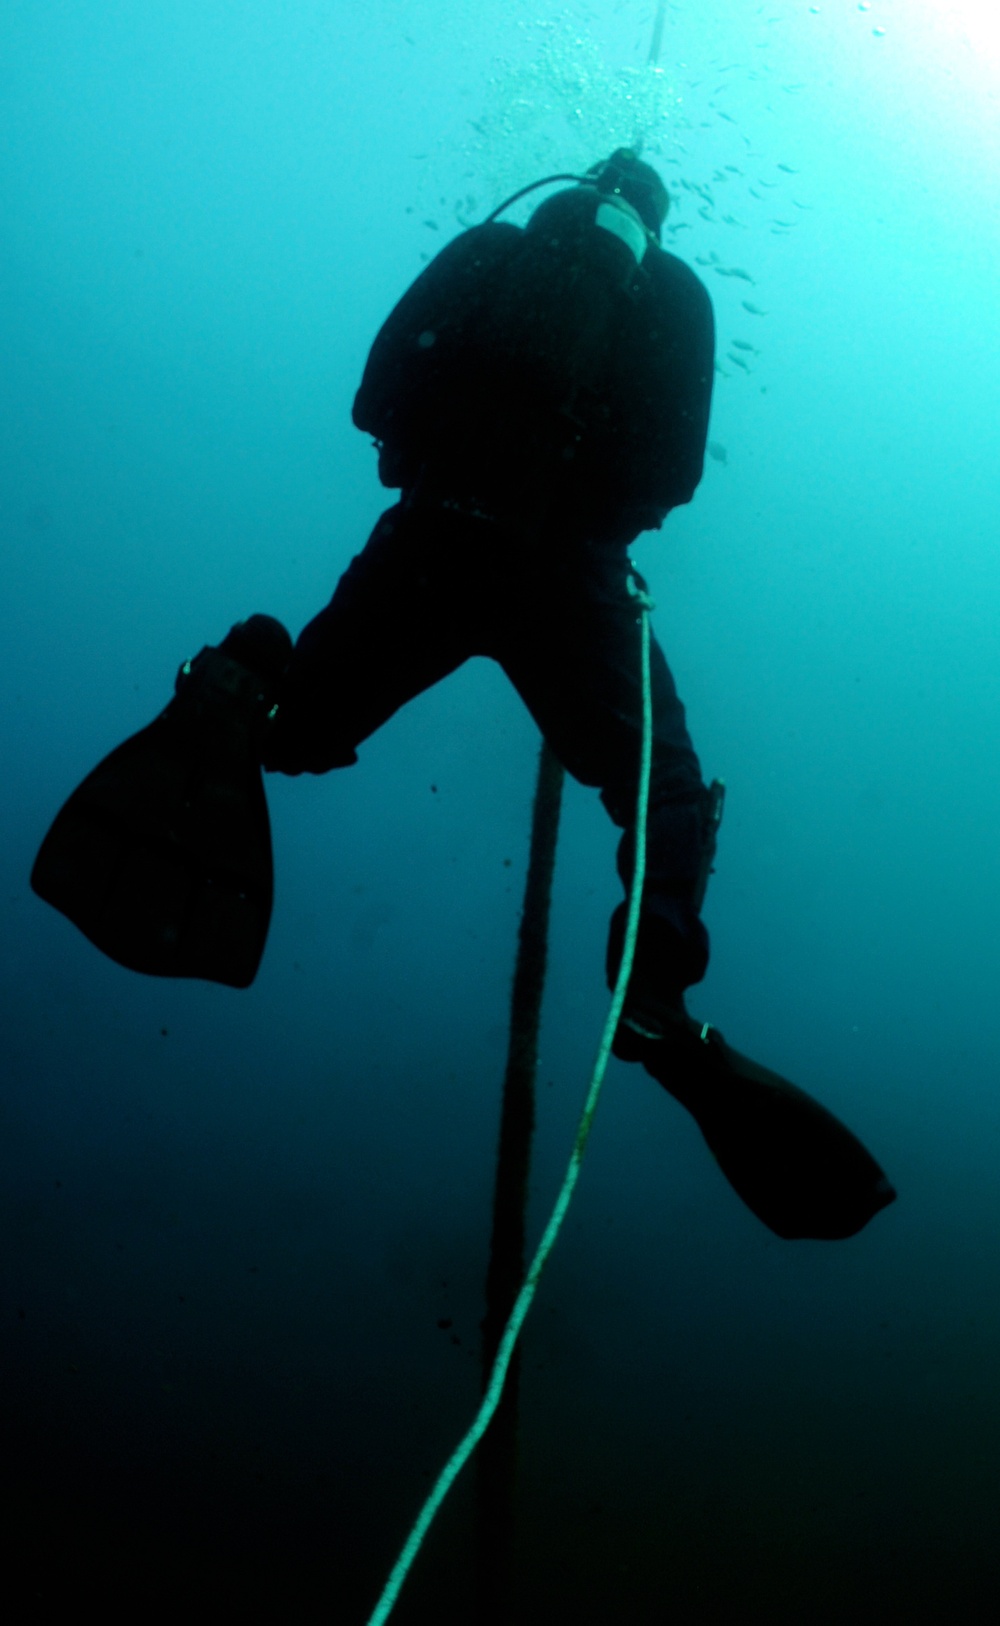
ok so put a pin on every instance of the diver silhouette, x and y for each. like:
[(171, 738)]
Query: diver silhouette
[(539, 397)]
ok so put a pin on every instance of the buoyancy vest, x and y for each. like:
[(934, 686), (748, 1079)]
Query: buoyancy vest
[(523, 368)]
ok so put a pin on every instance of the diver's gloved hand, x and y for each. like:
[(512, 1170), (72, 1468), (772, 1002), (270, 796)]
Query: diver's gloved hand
[(292, 743), (281, 751), (796, 1166), (299, 733)]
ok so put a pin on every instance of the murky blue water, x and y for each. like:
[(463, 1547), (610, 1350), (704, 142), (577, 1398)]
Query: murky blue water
[(235, 1224)]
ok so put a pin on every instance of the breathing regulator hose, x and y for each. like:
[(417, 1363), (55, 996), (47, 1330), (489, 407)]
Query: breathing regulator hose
[(525, 1297), (522, 192)]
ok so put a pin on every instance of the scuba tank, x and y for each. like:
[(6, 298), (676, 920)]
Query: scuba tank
[(490, 372)]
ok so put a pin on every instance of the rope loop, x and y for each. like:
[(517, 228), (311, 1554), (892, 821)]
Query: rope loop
[(637, 591)]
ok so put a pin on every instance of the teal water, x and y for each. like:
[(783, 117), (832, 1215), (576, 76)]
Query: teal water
[(236, 1224)]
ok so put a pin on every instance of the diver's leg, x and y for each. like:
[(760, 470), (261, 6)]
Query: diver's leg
[(574, 654), (389, 632)]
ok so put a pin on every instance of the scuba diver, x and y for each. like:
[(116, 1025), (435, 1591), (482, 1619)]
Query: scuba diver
[(539, 397)]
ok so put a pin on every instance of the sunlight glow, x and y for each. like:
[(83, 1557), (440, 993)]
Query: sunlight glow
[(977, 21)]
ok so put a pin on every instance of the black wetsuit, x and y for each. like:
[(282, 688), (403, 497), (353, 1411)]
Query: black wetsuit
[(539, 399)]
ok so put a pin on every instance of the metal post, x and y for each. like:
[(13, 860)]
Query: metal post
[(657, 39), (497, 1457)]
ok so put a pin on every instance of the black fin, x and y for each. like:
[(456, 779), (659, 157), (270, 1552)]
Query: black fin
[(796, 1166), (162, 856)]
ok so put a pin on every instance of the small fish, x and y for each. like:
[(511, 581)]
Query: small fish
[(718, 451), (734, 271), (432, 224), (741, 344), (788, 169), (739, 362), (731, 220), (788, 224), (706, 213), (754, 310)]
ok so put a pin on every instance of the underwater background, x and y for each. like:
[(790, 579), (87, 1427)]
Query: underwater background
[(244, 1234)]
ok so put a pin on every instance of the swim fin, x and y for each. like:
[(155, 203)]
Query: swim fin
[(162, 856), (796, 1166)]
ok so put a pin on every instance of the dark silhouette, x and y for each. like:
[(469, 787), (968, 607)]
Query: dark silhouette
[(539, 396)]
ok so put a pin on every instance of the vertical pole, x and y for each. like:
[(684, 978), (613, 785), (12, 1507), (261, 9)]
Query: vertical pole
[(657, 39), (497, 1456)]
